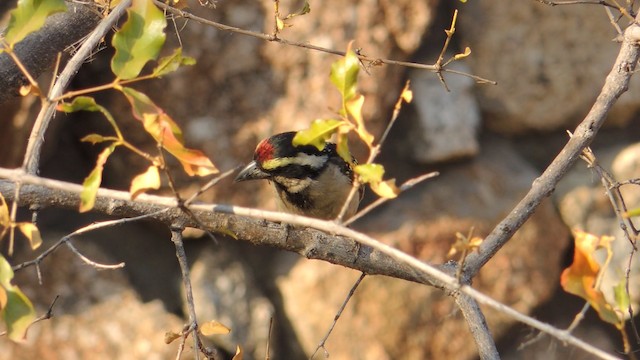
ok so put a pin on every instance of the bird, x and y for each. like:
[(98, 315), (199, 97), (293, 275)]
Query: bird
[(307, 181)]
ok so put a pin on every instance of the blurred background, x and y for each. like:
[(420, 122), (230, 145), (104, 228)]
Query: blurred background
[(489, 142)]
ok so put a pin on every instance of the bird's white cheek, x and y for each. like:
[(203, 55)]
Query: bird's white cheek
[(293, 185)]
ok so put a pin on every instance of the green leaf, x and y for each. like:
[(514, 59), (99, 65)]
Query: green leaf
[(92, 182), (139, 40), (318, 134), (87, 103), (171, 63), (95, 139), (29, 16), (344, 75), (621, 296), (15, 308), (79, 103)]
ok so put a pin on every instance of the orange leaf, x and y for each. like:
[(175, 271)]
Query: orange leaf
[(239, 353), (214, 328), (580, 278), (167, 133)]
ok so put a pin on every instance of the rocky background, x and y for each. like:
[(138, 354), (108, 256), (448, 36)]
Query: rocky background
[(488, 142)]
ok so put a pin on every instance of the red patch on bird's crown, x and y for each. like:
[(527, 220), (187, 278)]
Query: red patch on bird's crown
[(264, 151)]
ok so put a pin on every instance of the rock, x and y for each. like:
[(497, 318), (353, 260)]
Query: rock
[(97, 316), (549, 62), (447, 123), (225, 290), (392, 319)]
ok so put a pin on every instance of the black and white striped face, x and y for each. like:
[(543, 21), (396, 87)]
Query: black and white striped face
[(277, 159), (308, 181)]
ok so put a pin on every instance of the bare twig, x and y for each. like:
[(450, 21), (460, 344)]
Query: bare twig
[(272, 38), (176, 237), (578, 2), (267, 351), (213, 182), (65, 239), (322, 343), (404, 187)]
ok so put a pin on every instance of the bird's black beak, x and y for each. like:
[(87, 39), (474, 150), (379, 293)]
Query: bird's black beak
[(251, 172)]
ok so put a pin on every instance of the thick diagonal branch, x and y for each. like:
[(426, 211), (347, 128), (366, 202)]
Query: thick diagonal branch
[(615, 84), (39, 50)]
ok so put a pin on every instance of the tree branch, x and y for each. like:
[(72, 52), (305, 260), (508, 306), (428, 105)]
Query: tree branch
[(39, 50), (347, 247), (477, 326), (616, 83)]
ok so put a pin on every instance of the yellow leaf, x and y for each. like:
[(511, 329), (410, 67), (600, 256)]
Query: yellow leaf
[(354, 108), (213, 328), (370, 172), (170, 337), (239, 354), (148, 180), (467, 52), (386, 189), (342, 146), (465, 243), (581, 277), (407, 94), (31, 232), (25, 90), (5, 220)]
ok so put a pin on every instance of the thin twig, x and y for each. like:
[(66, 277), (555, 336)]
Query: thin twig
[(91, 227), (46, 316), (404, 187), (322, 343), (213, 182), (176, 237), (272, 38), (267, 351), (578, 2)]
